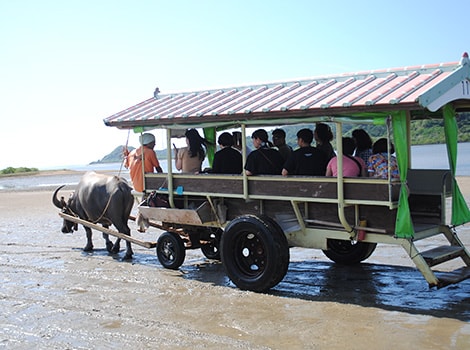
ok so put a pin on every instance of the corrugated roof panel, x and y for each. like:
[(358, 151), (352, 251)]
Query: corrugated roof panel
[(161, 108), (297, 91), (320, 99), (177, 104), (329, 95), (281, 96), (234, 100), (436, 80), (339, 97), (261, 100), (367, 89), (255, 95), (410, 87), (202, 102), (384, 93), (314, 94)]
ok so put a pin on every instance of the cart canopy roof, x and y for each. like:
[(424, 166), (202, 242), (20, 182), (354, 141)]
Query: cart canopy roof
[(420, 90)]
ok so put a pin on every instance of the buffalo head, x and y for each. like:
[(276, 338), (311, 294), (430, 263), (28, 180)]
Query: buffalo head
[(67, 226)]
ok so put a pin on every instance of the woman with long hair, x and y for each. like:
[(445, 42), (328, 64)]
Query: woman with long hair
[(363, 144), (323, 137), (189, 159)]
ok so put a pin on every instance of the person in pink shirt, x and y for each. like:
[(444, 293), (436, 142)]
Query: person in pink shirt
[(352, 166)]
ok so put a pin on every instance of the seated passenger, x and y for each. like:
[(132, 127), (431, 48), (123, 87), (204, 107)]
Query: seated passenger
[(306, 160), (352, 166), (264, 159), (323, 136), (189, 159), (237, 142), (227, 160), (279, 140), (378, 162), (363, 144)]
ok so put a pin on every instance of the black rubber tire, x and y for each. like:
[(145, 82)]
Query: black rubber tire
[(212, 250), (170, 250), (254, 252), (346, 253)]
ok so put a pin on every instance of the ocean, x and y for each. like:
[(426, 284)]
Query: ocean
[(423, 157)]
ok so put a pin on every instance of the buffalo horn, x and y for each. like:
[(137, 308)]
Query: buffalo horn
[(55, 201)]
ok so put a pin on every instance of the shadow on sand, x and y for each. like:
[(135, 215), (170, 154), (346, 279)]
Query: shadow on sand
[(391, 288)]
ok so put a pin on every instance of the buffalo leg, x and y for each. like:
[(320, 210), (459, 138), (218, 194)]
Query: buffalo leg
[(116, 247), (109, 244), (89, 241), (129, 251), (127, 231)]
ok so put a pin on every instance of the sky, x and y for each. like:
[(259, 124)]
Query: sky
[(67, 65)]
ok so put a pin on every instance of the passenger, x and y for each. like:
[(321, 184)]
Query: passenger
[(352, 166), (237, 140), (377, 165), (323, 137), (306, 160), (133, 161), (363, 144), (189, 159), (264, 159), (227, 160), (279, 140)]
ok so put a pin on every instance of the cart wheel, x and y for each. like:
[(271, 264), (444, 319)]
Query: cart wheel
[(170, 250), (346, 253), (255, 253), (211, 250)]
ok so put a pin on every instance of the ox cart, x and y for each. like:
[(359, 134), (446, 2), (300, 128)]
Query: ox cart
[(250, 222)]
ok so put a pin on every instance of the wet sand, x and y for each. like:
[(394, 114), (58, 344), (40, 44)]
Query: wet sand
[(55, 296)]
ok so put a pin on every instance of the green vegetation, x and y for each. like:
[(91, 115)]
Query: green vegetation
[(423, 132), (10, 170)]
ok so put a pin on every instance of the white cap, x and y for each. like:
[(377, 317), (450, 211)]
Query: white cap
[(145, 139)]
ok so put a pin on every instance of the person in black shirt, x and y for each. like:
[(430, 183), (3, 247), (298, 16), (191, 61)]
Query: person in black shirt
[(263, 160), (279, 140), (228, 160), (306, 160)]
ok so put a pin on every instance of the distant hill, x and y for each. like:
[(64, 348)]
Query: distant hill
[(116, 155), (423, 132)]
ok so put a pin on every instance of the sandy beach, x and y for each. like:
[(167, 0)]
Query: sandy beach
[(55, 296)]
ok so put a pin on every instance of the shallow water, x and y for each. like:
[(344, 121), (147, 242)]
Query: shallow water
[(55, 296)]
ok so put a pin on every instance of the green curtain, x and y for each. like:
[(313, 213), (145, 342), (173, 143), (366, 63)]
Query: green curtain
[(209, 134), (460, 211), (403, 225)]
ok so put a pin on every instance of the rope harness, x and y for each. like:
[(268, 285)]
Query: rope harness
[(67, 210)]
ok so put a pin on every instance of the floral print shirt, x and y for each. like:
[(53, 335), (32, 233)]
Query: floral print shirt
[(377, 166)]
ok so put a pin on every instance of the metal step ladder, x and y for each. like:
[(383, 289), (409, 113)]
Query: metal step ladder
[(426, 259)]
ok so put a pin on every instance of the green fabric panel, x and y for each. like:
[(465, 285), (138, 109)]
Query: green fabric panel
[(403, 224), (460, 211), (209, 134)]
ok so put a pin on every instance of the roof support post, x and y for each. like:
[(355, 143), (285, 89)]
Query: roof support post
[(245, 177), (340, 182), (169, 178)]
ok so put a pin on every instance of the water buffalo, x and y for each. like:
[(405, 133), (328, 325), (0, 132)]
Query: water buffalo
[(100, 199)]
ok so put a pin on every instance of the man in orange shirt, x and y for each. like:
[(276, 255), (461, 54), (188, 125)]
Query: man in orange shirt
[(133, 161)]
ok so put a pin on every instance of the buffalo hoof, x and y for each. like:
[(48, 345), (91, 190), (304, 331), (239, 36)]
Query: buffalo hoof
[(127, 256), (109, 246), (88, 248), (115, 249)]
